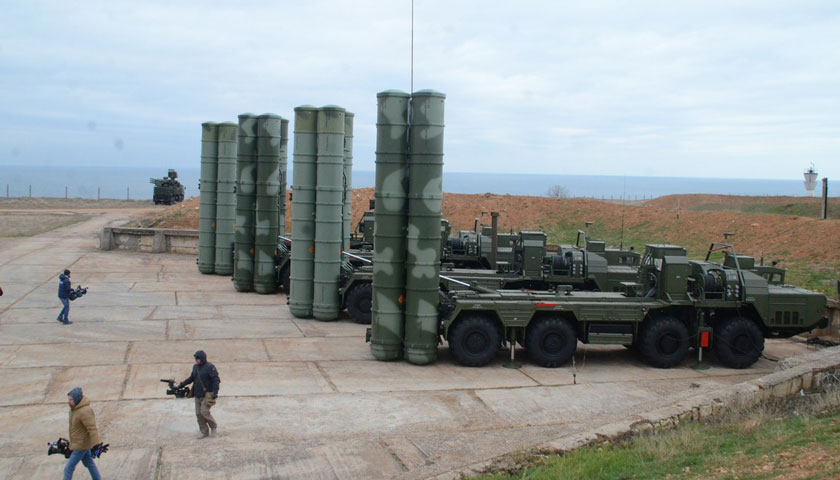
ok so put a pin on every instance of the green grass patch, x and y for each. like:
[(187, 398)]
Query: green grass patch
[(819, 278), (810, 209), (771, 441)]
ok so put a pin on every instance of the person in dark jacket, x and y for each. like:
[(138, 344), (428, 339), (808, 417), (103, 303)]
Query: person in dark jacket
[(205, 380), (64, 295)]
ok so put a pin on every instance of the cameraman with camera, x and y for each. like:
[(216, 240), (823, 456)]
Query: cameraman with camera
[(64, 290), (205, 380), (83, 434)]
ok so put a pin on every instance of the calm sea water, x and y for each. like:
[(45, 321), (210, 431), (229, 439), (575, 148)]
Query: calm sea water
[(133, 182)]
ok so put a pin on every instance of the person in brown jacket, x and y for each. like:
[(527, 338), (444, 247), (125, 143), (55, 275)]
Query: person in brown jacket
[(83, 434)]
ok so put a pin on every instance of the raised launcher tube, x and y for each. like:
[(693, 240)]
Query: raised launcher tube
[(348, 177), (425, 195), (284, 162), (391, 190), (303, 211), (207, 198), (226, 197), (269, 131), (329, 203), (246, 176)]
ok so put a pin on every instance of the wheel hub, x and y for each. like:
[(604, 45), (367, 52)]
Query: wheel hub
[(552, 343), (475, 342), (742, 344), (668, 344)]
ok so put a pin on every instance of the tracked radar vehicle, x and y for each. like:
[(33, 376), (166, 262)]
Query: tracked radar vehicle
[(674, 305), (168, 190)]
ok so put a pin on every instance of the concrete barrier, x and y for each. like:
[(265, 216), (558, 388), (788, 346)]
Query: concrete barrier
[(833, 329), (154, 240)]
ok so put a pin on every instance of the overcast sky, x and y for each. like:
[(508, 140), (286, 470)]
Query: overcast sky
[(747, 89)]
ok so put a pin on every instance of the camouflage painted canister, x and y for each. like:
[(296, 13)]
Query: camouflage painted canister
[(303, 211), (425, 195), (329, 204), (348, 177), (284, 162), (387, 320), (207, 198), (226, 197), (268, 187), (246, 178)]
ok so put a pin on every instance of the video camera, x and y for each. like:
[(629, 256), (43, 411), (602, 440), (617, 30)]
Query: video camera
[(62, 446), (182, 392), (78, 292)]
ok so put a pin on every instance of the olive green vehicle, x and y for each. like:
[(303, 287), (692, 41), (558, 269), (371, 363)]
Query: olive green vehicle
[(522, 262), (675, 304), (168, 190)]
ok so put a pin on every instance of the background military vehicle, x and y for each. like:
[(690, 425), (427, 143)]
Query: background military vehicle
[(675, 304), (167, 190), (521, 260)]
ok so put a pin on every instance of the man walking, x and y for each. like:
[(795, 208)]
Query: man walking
[(83, 434), (64, 296), (205, 380)]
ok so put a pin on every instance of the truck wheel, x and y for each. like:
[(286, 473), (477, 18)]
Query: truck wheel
[(474, 340), (738, 343), (664, 342), (284, 277), (358, 303), (550, 341)]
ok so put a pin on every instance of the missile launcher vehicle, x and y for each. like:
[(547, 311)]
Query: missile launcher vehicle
[(675, 304), (168, 190)]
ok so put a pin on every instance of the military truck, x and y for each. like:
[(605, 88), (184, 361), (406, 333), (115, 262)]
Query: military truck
[(521, 262), (168, 190), (674, 305)]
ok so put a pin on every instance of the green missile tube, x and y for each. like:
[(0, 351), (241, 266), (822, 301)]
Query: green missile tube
[(226, 197), (329, 204), (348, 178), (284, 162), (425, 195), (246, 178), (304, 170), (268, 189), (207, 198), (387, 319)]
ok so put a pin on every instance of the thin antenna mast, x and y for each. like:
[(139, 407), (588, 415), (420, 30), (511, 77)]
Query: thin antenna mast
[(412, 47), (623, 208)]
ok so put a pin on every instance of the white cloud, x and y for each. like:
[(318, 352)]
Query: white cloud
[(683, 89)]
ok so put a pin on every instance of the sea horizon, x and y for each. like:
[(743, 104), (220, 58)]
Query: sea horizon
[(133, 183)]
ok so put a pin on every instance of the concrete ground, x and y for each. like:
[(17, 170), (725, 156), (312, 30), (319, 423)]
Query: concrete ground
[(298, 399)]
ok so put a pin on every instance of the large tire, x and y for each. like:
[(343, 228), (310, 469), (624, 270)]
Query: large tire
[(474, 340), (738, 343), (359, 301), (284, 277), (550, 341), (663, 341)]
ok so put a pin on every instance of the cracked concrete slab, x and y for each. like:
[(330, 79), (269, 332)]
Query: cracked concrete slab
[(299, 398)]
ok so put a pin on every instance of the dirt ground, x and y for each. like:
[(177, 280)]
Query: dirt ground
[(26, 203), (662, 220), (24, 224)]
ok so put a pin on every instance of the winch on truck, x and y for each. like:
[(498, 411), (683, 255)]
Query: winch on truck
[(674, 305)]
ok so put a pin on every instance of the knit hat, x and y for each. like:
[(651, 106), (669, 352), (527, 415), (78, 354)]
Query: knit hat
[(76, 394), (201, 356)]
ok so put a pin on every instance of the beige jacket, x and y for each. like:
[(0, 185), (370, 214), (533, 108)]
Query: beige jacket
[(83, 431)]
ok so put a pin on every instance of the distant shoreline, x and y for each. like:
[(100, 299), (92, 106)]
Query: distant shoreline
[(132, 183)]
